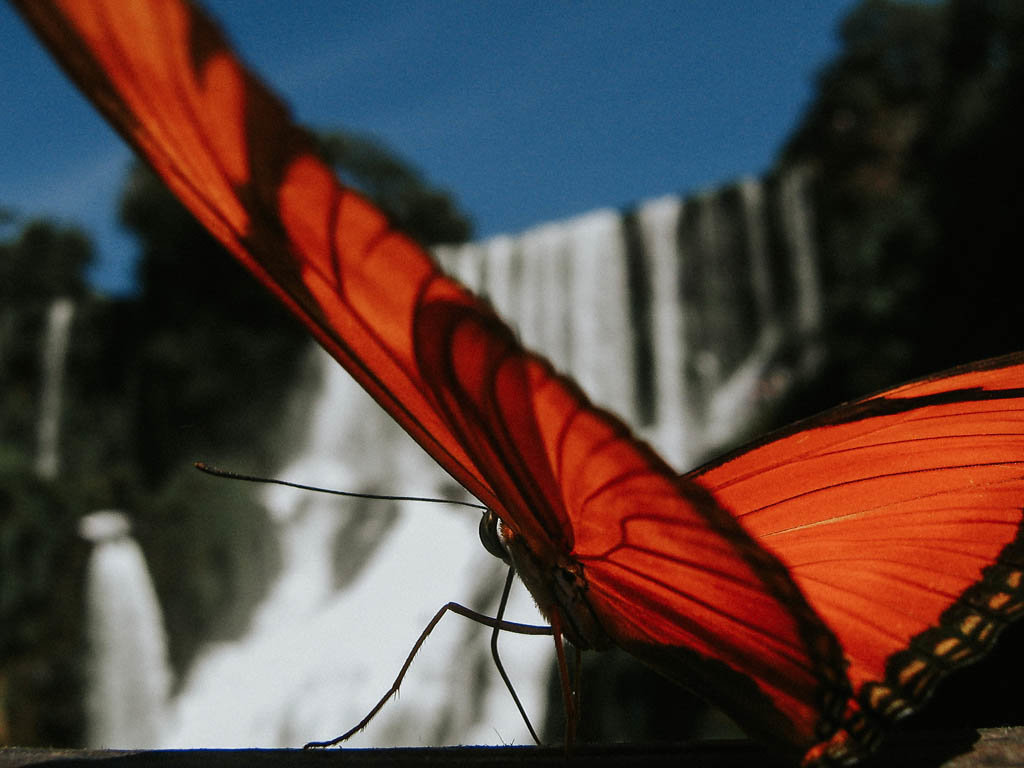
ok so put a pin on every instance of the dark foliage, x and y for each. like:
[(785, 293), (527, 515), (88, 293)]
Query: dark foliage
[(205, 325), (42, 261), (41, 557), (915, 134), (423, 212), (198, 367)]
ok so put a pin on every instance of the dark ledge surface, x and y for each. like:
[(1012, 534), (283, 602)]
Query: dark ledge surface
[(949, 749)]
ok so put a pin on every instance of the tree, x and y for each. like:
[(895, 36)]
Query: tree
[(217, 360), (915, 132), (970, 162), (43, 261), (41, 556), (423, 212)]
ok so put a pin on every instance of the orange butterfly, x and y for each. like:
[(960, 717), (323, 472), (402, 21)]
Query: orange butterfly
[(816, 584)]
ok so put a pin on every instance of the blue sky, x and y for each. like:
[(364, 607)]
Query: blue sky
[(525, 111)]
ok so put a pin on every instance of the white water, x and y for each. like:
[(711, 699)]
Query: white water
[(659, 222), (315, 659), (799, 226), (323, 647), (55, 347), (128, 672), (563, 286)]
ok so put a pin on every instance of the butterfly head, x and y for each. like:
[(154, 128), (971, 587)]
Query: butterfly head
[(559, 590), (491, 538)]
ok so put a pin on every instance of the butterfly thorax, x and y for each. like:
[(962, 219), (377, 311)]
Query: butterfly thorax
[(559, 589)]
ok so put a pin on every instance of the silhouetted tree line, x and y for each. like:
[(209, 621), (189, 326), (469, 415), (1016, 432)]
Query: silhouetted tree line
[(915, 132), (195, 367), (41, 557)]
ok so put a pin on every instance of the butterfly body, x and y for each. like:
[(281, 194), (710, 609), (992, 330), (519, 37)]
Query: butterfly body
[(560, 592), (817, 584)]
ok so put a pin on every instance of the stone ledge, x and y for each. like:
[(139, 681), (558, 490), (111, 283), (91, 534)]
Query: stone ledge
[(948, 749)]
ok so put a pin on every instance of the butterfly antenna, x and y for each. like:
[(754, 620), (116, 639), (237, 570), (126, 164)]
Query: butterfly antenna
[(497, 660), (228, 474)]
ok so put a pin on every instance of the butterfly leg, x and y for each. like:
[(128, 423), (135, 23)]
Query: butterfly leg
[(497, 660), (577, 679), (495, 623), (570, 695)]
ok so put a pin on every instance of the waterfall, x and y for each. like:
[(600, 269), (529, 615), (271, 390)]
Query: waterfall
[(359, 581), (55, 346), (129, 673), (684, 315)]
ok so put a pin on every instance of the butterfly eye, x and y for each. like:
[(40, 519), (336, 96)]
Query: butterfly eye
[(490, 537)]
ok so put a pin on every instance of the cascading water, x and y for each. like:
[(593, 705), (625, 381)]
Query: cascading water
[(712, 300), (318, 655), (129, 671), (55, 347), (684, 316)]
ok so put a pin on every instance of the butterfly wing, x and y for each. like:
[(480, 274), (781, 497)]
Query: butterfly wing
[(668, 573), (164, 77), (899, 516)]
